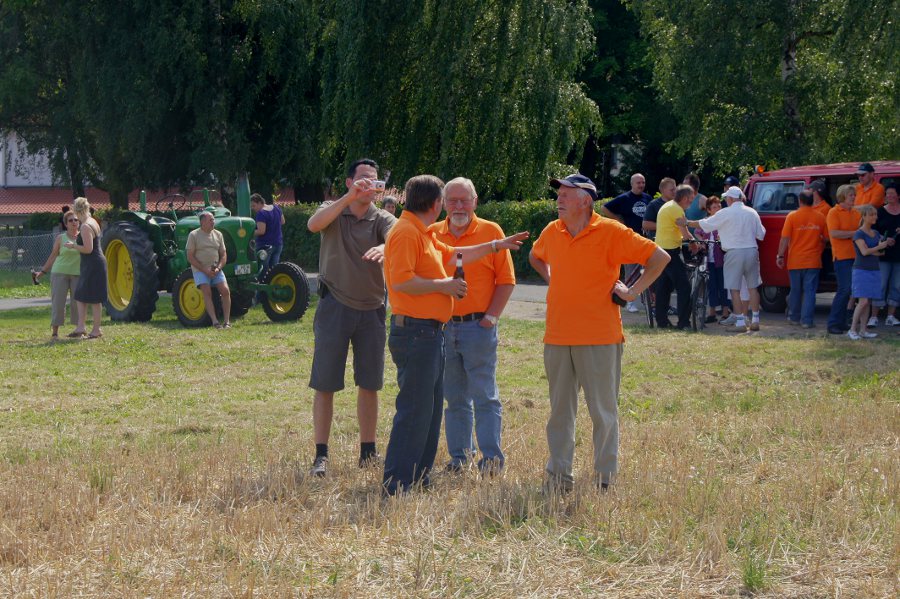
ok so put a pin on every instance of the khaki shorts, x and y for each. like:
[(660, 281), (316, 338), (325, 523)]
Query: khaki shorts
[(742, 263)]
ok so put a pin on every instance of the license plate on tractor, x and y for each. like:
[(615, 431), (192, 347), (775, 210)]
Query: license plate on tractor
[(242, 269)]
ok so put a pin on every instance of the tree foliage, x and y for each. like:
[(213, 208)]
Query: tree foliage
[(778, 81)]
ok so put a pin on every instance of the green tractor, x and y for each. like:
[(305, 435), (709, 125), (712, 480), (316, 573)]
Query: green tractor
[(146, 254)]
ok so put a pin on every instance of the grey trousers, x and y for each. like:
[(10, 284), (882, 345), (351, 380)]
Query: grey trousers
[(597, 370), (61, 287)]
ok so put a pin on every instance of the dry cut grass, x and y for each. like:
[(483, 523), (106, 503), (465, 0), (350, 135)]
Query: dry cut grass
[(749, 467)]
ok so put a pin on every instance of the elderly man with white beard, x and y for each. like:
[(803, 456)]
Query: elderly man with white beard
[(470, 339)]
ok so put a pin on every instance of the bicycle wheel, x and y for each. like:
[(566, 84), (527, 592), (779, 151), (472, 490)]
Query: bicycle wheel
[(649, 306), (698, 302)]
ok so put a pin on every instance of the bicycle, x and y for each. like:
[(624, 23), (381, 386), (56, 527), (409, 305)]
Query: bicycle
[(698, 275)]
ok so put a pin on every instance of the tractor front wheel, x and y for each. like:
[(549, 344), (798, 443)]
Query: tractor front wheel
[(132, 274), (293, 298), (188, 302)]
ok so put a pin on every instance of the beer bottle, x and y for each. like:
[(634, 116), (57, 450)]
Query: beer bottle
[(459, 273)]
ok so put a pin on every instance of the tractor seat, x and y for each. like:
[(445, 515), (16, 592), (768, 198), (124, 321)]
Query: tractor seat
[(163, 221)]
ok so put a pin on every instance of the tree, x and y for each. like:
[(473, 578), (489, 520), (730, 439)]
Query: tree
[(482, 89), (780, 82)]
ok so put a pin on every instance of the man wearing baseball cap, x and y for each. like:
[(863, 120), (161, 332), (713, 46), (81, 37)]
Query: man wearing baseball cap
[(820, 204), (868, 191), (579, 256)]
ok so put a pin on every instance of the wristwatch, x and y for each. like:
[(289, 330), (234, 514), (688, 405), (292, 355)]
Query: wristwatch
[(491, 319)]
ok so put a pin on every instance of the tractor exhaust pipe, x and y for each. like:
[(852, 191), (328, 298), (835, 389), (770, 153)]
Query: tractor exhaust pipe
[(243, 195)]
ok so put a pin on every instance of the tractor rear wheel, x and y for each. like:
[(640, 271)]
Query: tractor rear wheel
[(292, 278), (132, 274), (188, 302)]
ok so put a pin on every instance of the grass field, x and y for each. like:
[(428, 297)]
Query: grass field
[(162, 461), (17, 284)]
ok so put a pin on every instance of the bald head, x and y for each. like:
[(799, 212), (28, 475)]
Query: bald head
[(638, 183)]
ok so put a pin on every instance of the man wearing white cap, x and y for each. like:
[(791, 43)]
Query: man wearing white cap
[(739, 229)]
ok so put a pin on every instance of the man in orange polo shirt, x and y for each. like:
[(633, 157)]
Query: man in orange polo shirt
[(579, 256), (868, 191), (803, 238), (421, 297), (842, 222), (820, 204), (470, 339)]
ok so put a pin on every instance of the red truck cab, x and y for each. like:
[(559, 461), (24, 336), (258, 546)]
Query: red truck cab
[(774, 194)]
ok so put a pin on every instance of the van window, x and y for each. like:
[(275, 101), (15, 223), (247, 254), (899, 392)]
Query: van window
[(777, 196)]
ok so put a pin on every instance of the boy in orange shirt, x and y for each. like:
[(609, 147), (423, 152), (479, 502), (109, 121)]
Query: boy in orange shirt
[(803, 236)]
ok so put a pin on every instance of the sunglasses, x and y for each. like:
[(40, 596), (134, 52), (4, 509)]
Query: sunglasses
[(71, 220)]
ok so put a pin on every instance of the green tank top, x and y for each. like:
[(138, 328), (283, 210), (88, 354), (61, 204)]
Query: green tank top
[(68, 262)]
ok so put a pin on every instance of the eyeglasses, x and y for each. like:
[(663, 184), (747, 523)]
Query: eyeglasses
[(459, 202), (71, 220)]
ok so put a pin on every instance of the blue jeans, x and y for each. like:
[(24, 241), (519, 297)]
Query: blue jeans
[(715, 290), (418, 352), (843, 270), (890, 284), (271, 260), (802, 299), (470, 388)]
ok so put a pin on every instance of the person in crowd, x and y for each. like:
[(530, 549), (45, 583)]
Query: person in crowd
[(421, 296), (717, 296), (669, 236), (628, 208), (842, 222), (697, 209), (868, 191), (206, 254), (888, 224), (803, 240), (269, 220), (470, 338), (351, 309), (64, 266), (866, 286), (739, 228), (389, 204), (91, 287), (820, 202), (666, 194), (62, 218), (730, 320), (730, 181), (579, 256)]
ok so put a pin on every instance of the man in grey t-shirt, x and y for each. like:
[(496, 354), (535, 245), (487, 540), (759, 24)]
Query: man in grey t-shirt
[(351, 308)]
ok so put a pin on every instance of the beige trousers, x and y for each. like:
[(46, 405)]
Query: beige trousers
[(597, 370), (61, 287)]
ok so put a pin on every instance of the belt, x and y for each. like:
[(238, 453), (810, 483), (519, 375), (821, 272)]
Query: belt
[(468, 317), (401, 320)]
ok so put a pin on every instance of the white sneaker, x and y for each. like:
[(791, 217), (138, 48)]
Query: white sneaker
[(729, 320), (891, 321), (873, 322), (868, 335), (854, 335), (630, 307), (740, 324)]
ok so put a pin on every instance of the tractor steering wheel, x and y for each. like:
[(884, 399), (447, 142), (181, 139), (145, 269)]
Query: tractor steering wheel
[(176, 201)]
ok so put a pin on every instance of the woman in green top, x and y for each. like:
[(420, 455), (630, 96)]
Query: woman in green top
[(64, 265)]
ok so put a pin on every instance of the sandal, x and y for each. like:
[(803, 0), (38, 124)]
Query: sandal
[(217, 325), (227, 325), (93, 336), (75, 335)]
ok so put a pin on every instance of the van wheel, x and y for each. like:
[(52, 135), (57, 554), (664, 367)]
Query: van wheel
[(774, 299)]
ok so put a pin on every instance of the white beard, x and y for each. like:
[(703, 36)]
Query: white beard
[(459, 220)]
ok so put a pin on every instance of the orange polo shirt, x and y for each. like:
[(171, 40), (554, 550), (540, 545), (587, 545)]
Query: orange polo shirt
[(482, 276), (822, 209), (410, 250), (807, 230), (840, 219), (874, 195), (583, 270)]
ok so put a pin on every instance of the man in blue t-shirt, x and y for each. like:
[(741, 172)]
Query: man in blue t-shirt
[(269, 219), (629, 208)]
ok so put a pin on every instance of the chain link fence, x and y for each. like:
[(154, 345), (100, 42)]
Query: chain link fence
[(25, 252)]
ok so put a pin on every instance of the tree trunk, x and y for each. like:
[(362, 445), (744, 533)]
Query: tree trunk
[(76, 174)]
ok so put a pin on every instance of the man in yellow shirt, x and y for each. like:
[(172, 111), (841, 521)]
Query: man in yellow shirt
[(669, 235)]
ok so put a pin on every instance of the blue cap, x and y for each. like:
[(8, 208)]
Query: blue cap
[(865, 167), (576, 180), (732, 180)]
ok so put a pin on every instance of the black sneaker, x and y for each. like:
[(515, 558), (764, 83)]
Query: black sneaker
[(370, 461), (319, 467), (454, 467)]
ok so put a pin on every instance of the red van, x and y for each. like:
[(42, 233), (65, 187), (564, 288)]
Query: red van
[(774, 194)]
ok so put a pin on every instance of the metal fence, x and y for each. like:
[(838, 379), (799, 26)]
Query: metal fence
[(25, 252)]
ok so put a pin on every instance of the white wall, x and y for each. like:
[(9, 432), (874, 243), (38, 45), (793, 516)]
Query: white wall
[(20, 169)]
